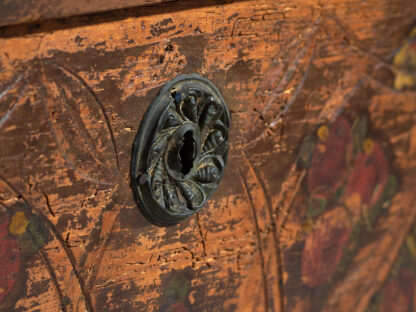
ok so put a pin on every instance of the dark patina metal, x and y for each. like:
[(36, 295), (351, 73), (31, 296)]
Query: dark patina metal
[(181, 148)]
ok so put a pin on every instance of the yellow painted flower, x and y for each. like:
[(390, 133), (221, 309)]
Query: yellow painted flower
[(307, 226), (323, 133), (405, 64), (411, 245), (368, 146), (18, 223)]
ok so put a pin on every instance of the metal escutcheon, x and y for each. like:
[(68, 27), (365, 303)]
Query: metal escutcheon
[(180, 151)]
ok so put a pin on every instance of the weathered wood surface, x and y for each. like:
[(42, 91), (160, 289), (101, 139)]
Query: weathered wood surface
[(26, 11), (316, 206)]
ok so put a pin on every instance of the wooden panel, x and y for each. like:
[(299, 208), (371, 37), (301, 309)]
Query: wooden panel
[(316, 207), (24, 11)]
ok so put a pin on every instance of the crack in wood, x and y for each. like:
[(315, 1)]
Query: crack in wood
[(48, 205)]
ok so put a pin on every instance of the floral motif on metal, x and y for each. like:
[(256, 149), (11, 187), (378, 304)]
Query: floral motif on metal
[(181, 148)]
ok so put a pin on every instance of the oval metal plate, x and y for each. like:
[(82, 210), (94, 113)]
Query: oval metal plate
[(181, 148)]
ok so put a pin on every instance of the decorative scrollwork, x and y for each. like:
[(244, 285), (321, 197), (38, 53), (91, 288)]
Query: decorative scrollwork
[(181, 149)]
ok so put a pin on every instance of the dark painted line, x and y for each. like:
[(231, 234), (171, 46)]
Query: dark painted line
[(256, 224)]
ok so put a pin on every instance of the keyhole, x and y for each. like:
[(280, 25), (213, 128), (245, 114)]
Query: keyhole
[(187, 153)]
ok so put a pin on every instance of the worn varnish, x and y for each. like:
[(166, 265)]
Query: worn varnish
[(315, 211), (26, 11)]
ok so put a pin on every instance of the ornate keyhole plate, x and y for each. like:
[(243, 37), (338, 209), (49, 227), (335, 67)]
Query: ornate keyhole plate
[(181, 148)]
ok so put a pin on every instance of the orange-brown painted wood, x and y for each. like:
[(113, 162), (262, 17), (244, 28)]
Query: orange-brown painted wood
[(316, 208), (25, 11)]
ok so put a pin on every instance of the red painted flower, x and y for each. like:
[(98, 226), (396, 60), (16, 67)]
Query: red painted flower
[(397, 295), (9, 259), (367, 179), (328, 164), (325, 246), (413, 46)]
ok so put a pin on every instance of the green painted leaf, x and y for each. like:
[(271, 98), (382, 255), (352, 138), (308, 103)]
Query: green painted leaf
[(178, 288), (316, 206), (359, 132), (35, 236), (390, 188), (306, 152), (339, 192), (385, 198)]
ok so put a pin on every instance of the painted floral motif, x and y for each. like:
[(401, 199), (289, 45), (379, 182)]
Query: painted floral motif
[(322, 253), (175, 296), (367, 179), (20, 234), (177, 307), (10, 258), (328, 163), (348, 184)]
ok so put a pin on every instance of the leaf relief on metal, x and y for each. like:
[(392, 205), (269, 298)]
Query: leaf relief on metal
[(180, 151)]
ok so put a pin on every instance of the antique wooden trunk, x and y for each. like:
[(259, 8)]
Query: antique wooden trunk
[(316, 207)]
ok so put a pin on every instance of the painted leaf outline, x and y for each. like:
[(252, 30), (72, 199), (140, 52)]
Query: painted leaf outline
[(79, 125), (287, 73), (12, 94)]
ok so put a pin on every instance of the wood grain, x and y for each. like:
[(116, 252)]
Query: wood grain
[(25, 11), (71, 100)]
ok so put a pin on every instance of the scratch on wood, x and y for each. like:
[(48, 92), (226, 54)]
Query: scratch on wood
[(9, 112), (101, 251), (290, 71), (235, 22), (5, 91), (201, 234), (273, 98), (298, 89), (48, 204)]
